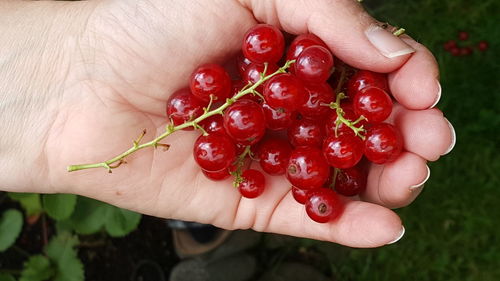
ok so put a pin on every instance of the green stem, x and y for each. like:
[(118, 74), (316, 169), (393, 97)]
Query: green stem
[(399, 32), (240, 161), (341, 119), (334, 180), (171, 129)]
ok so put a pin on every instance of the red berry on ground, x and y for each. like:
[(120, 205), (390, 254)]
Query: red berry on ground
[(455, 51), (253, 183), (482, 46), (314, 64), (278, 119), (300, 43), (214, 152), (253, 71), (274, 154), (465, 51), (344, 151), (350, 182), (448, 45), (210, 79), (263, 43), (244, 122), (373, 103), (366, 78), (218, 175), (285, 91), (300, 195), (463, 35), (182, 106), (318, 96), (323, 205), (306, 132), (307, 168), (383, 143)]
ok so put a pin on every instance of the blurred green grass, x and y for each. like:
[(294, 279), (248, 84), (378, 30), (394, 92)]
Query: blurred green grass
[(452, 229)]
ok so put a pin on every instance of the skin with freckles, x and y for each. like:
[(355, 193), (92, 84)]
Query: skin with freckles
[(122, 60)]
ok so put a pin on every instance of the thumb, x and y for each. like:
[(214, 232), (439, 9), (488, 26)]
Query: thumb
[(352, 35)]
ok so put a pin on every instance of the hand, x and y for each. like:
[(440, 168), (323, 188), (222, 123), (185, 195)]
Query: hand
[(134, 54)]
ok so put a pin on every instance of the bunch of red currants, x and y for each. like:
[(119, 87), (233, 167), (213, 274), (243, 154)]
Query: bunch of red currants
[(307, 120)]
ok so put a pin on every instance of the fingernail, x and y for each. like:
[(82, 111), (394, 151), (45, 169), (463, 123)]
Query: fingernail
[(453, 138), (401, 234), (421, 184), (387, 43), (438, 95)]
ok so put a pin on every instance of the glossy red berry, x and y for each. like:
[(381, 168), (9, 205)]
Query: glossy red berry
[(383, 143), (318, 95), (331, 122), (210, 79), (214, 152), (344, 151), (373, 103), (366, 78), (213, 124), (253, 71), (244, 122), (482, 46), (350, 182), (307, 168), (448, 45), (300, 195), (253, 183), (263, 43), (183, 107), (278, 119), (314, 64), (463, 35), (306, 132), (274, 154), (218, 175), (300, 43), (323, 205), (242, 63), (285, 91)]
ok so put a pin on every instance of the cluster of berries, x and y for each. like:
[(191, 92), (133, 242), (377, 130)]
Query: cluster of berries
[(454, 49), (290, 120)]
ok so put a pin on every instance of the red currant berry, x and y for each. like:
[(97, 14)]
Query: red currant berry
[(274, 154), (245, 122), (323, 205), (285, 91), (463, 35), (449, 45), (253, 183), (210, 79), (214, 152), (278, 119), (307, 168), (350, 182), (263, 43), (318, 96), (373, 103), (183, 107), (218, 175), (314, 64), (300, 43), (253, 71), (383, 143), (300, 195), (455, 51), (306, 132), (465, 51), (366, 78), (341, 129), (482, 46), (242, 63), (214, 124), (343, 151)]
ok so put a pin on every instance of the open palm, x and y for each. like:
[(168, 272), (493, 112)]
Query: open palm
[(136, 53)]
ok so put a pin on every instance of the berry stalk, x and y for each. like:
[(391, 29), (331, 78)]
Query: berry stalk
[(119, 159), (341, 119)]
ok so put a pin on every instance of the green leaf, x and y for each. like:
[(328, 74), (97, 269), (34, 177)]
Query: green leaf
[(61, 251), (11, 224), (89, 216), (59, 206), (29, 201), (120, 222), (6, 277), (37, 268)]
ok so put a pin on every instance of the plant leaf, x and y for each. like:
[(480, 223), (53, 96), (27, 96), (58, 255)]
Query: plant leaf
[(11, 224), (120, 222), (89, 216), (59, 206), (61, 251), (29, 201), (6, 277), (37, 268)]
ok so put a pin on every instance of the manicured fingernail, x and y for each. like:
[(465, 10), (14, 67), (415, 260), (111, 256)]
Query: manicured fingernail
[(401, 234), (438, 97), (421, 184), (453, 138), (387, 43)]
